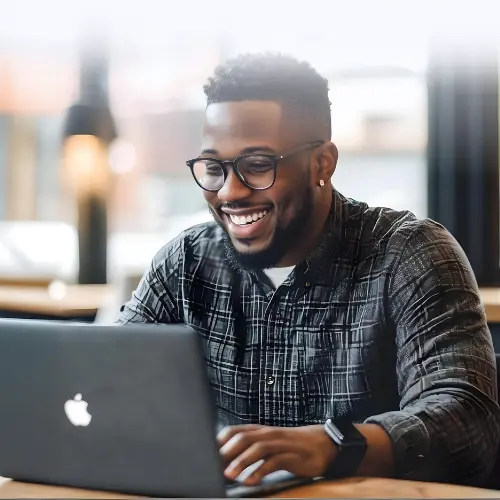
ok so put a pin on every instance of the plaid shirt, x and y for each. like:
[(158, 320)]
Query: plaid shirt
[(381, 324)]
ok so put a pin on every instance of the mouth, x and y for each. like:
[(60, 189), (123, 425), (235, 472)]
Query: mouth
[(247, 225), (249, 219)]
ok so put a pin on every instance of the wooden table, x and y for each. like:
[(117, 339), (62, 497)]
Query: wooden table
[(491, 301), (347, 488), (57, 300)]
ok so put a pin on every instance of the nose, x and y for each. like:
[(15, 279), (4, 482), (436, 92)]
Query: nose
[(233, 189)]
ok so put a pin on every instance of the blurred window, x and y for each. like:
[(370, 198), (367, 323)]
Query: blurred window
[(160, 56)]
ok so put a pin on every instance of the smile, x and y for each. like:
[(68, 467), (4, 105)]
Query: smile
[(248, 225), (244, 220)]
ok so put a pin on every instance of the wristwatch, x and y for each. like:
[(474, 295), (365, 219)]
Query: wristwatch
[(351, 449)]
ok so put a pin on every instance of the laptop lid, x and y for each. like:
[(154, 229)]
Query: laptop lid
[(124, 409)]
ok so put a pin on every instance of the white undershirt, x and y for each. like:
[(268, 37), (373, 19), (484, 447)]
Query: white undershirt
[(278, 274)]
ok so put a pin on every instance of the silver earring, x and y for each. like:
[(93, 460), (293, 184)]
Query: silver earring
[(321, 183)]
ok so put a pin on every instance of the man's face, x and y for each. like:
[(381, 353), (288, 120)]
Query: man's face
[(278, 214)]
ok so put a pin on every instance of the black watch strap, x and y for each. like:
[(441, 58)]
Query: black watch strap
[(352, 448)]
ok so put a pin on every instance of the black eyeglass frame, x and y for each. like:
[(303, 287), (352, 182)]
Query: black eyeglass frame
[(274, 159)]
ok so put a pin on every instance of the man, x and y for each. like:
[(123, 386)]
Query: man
[(318, 308)]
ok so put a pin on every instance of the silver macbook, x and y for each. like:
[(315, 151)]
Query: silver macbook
[(126, 409)]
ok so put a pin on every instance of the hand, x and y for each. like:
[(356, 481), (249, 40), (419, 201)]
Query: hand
[(303, 451)]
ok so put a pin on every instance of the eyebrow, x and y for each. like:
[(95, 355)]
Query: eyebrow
[(249, 150)]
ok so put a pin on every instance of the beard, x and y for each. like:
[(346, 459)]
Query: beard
[(283, 239)]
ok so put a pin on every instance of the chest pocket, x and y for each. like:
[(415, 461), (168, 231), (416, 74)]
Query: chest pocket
[(235, 388), (333, 379)]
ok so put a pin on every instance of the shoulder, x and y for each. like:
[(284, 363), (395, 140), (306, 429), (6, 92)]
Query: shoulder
[(425, 259), (201, 241), (428, 255), (401, 240), (424, 238), (395, 231), (376, 224)]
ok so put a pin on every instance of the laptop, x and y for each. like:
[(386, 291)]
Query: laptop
[(120, 408)]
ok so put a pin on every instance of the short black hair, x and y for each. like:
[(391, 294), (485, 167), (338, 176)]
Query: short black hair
[(275, 77)]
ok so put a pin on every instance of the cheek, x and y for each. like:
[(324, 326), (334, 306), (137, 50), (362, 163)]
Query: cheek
[(290, 199), (288, 209), (210, 198)]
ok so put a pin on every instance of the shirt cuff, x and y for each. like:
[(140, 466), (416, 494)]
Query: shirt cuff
[(410, 440)]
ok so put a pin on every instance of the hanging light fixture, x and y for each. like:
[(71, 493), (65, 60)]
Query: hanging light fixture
[(88, 132)]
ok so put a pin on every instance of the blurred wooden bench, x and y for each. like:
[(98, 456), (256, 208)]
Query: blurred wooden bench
[(57, 301), (25, 282), (491, 301)]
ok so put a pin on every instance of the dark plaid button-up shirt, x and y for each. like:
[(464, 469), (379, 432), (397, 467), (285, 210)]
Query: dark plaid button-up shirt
[(381, 324)]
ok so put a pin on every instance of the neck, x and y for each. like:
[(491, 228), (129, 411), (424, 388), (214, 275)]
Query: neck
[(311, 234)]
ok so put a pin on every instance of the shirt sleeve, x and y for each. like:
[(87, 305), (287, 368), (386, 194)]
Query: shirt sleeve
[(448, 425), (156, 299)]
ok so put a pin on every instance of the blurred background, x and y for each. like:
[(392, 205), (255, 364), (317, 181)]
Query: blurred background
[(139, 66)]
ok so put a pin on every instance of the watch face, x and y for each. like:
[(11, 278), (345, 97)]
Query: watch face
[(334, 432), (352, 448), (347, 434)]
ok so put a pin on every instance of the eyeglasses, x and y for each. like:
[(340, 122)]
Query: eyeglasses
[(256, 171)]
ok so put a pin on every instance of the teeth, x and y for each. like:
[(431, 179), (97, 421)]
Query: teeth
[(242, 220)]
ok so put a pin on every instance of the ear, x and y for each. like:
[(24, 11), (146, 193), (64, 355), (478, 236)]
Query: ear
[(327, 162)]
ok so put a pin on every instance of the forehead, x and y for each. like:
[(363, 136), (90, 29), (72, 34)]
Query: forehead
[(231, 127)]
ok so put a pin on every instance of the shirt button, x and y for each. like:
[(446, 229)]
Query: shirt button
[(270, 380)]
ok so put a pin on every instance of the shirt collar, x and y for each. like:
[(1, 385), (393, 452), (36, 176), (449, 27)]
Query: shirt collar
[(330, 239)]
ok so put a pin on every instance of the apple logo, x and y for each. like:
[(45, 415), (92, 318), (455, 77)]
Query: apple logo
[(76, 411)]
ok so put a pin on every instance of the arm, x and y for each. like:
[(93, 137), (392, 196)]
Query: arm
[(448, 426), (155, 299)]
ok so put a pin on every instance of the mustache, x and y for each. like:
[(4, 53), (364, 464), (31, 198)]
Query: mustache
[(236, 205)]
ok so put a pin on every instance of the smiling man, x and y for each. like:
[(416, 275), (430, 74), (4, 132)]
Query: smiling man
[(341, 339)]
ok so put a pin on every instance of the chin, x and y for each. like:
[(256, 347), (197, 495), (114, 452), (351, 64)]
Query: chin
[(249, 248), (252, 255), (252, 258)]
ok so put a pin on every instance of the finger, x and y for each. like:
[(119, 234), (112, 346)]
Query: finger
[(284, 461), (228, 432), (240, 441), (261, 450)]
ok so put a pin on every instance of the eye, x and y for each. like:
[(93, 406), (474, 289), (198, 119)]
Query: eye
[(256, 164), (212, 168), (260, 167), (207, 167)]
